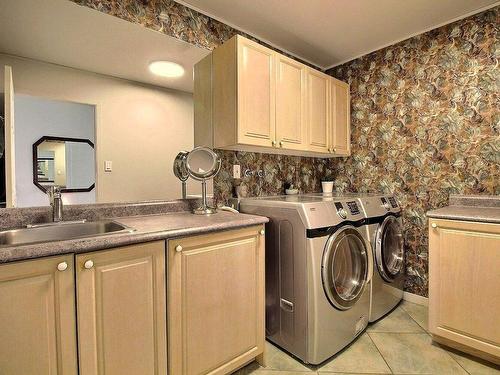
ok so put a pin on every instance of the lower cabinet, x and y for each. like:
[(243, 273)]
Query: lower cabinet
[(464, 279), (37, 317), (216, 301), (121, 305)]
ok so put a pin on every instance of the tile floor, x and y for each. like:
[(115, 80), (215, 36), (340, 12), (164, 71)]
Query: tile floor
[(397, 344)]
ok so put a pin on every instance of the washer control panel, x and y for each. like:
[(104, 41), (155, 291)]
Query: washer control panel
[(340, 210)]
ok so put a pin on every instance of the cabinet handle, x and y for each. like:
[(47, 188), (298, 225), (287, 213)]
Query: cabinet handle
[(262, 232), (334, 149), (88, 264), (62, 266), (330, 150), (178, 248), (434, 225), (273, 143), (281, 144)]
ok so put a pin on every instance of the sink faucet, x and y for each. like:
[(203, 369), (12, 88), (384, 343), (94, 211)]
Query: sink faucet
[(54, 193)]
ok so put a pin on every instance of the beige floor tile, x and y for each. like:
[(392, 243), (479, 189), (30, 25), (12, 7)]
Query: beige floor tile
[(413, 353), (251, 368), (473, 365), (419, 313), (278, 372), (361, 356), (276, 359), (397, 321)]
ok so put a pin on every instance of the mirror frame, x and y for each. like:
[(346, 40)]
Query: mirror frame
[(63, 139)]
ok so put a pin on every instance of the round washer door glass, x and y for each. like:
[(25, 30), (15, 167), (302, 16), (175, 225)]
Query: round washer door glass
[(345, 268), (389, 252)]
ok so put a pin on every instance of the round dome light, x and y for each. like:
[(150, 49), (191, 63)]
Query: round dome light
[(166, 69)]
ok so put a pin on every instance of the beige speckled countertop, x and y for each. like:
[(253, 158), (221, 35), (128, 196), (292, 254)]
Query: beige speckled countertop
[(478, 208), (148, 228)]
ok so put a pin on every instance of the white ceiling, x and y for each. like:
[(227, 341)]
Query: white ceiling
[(330, 32), (64, 33)]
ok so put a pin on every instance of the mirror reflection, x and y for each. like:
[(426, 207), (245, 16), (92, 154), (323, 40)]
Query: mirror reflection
[(85, 80), (68, 163)]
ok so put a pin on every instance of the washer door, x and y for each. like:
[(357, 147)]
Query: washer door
[(345, 267), (389, 249)]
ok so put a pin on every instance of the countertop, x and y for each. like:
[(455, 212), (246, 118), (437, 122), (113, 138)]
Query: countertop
[(148, 228), (484, 209)]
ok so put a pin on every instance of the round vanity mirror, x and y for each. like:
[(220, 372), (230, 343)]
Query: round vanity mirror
[(203, 163), (180, 170)]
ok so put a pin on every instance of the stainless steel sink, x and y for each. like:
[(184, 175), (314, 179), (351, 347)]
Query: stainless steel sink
[(60, 231)]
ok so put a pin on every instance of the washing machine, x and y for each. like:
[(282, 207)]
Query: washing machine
[(318, 269), (385, 232)]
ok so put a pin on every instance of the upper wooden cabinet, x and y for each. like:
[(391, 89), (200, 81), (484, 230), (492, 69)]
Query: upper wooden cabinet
[(37, 317), (290, 103), (464, 300), (216, 301), (318, 116), (340, 118), (249, 97), (121, 302)]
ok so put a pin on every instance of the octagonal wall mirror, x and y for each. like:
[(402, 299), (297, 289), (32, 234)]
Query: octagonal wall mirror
[(65, 162)]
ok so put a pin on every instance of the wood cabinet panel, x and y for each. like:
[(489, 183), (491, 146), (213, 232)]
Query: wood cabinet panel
[(263, 101), (37, 315), (340, 125), (216, 301), (122, 310), (464, 300), (256, 94), (290, 103), (317, 110)]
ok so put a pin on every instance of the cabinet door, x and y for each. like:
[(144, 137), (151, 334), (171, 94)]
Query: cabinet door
[(37, 317), (317, 110), (216, 301), (122, 310), (290, 103), (464, 299), (340, 123), (256, 94)]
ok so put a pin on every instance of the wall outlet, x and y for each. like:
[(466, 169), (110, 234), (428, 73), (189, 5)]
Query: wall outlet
[(108, 166), (236, 171)]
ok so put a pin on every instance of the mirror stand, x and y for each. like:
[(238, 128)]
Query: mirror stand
[(204, 209)]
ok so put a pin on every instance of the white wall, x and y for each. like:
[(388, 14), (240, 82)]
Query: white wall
[(139, 127), (36, 117)]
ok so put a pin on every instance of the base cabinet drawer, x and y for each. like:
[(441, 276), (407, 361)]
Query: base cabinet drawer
[(216, 301), (121, 305), (464, 299), (37, 317)]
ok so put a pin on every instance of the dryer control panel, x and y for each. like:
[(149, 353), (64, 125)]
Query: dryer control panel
[(353, 207)]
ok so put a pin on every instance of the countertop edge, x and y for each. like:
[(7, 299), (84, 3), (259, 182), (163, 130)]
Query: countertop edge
[(466, 213), (91, 244)]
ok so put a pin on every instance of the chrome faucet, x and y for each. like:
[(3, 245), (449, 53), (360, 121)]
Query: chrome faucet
[(55, 197)]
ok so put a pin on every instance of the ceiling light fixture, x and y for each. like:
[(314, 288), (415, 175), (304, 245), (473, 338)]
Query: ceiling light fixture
[(166, 69)]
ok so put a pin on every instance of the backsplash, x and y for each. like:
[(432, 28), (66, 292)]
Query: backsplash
[(426, 124), (303, 172)]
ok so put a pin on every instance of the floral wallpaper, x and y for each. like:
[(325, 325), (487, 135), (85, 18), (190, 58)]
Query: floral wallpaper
[(426, 124), (425, 119), (304, 173)]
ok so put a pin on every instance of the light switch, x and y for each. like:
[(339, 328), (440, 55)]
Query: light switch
[(108, 166), (236, 171)]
